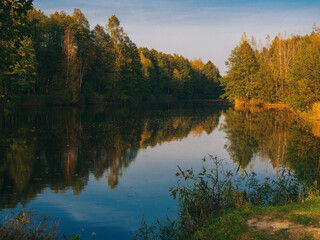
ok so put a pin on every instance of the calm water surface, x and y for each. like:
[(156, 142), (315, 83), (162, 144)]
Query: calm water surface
[(101, 169)]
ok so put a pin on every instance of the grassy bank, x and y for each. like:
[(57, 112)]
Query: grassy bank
[(295, 220), (218, 204)]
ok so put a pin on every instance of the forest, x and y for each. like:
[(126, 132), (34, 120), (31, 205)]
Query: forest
[(286, 70), (58, 59)]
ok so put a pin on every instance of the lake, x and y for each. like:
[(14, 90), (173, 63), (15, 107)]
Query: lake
[(102, 169)]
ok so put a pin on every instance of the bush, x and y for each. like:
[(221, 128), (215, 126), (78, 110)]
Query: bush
[(167, 230), (211, 191), (28, 225)]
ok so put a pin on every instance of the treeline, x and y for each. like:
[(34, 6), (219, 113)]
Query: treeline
[(286, 70), (61, 57)]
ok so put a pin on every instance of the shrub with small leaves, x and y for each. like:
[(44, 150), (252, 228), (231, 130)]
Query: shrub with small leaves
[(201, 194), (28, 225)]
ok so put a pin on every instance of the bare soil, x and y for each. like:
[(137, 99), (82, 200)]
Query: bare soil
[(272, 226)]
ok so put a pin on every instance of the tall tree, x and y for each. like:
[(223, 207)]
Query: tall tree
[(100, 77), (54, 54), (148, 72), (182, 77), (71, 65), (13, 28), (198, 77), (127, 67), (265, 88), (304, 81), (40, 32), (242, 66), (212, 84), (86, 50), (24, 69)]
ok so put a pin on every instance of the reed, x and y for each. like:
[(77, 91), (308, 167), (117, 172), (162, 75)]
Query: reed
[(28, 225), (215, 190)]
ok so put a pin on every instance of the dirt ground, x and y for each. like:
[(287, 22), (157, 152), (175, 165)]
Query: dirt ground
[(282, 227)]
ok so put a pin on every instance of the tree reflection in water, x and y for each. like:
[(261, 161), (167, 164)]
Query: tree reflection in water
[(274, 135), (59, 148)]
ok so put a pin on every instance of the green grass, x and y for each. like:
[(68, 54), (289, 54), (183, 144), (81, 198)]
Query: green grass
[(232, 224)]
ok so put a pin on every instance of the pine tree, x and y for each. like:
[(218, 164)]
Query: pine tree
[(100, 77), (239, 82), (127, 66), (213, 77)]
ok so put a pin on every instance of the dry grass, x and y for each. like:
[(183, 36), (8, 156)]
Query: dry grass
[(28, 225), (316, 110)]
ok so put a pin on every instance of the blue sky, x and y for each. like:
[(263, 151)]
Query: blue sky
[(206, 29)]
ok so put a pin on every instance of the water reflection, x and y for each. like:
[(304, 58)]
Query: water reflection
[(58, 148), (278, 136), (303, 150)]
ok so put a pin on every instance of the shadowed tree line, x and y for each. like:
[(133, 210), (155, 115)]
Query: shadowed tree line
[(58, 59), (285, 70), (256, 135), (59, 148)]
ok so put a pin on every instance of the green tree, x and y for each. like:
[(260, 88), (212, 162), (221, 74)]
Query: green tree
[(182, 79), (304, 81), (100, 77), (53, 52), (265, 85), (85, 49), (24, 70), (115, 32), (212, 85), (71, 66), (151, 69), (239, 82), (58, 55), (14, 27), (147, 71), (177, 84), (39, 26), (198, 78), (282, 56), (127, 67), (164, 69)]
